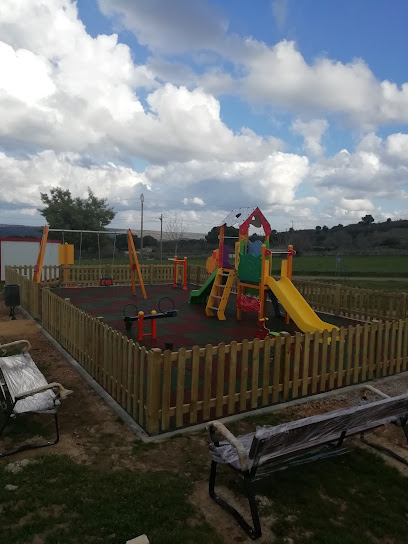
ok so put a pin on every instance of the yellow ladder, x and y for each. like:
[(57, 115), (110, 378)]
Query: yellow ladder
[(220, 292)]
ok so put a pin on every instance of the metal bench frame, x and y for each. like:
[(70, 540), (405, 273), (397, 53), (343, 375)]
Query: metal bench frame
[(250, 466), (10, 400)]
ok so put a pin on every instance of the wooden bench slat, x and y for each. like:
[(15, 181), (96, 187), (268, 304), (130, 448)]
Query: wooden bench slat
[(270, 444)]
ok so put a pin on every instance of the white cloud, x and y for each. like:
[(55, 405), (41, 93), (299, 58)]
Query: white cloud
[(276, 75), (83, 99), (371, 171), (358, 204), (280, 75), (397, 147), (71, 113), (24, 179), (312, 132), (174, 26), (196, 200)]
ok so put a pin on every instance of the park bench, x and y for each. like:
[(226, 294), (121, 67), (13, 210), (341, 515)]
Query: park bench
[(25, 390), (271, 448)]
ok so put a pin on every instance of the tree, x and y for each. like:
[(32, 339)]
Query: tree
[(212, 236), (175, 228), (149, 241), (62, 211), (367, 220)]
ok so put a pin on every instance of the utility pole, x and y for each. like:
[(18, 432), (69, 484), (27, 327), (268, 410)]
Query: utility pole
[(141, 227), (161, 238)]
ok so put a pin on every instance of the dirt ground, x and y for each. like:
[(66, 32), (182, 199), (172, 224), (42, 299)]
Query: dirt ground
[(92, 434)]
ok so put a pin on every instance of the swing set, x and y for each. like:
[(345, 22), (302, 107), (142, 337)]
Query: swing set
[(66, 257)]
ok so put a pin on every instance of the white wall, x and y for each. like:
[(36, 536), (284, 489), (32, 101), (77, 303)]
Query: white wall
[(25, 253)]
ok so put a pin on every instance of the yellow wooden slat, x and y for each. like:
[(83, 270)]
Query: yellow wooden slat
[(266, 370), (306, 370), (277, 368), (255, 374), (340, 365), (356, 361), (232, 378), (405, 347), (364, 354), (386, 346), (393, 347), (379, 352), (333, 352), (165, 417), (323, 362), (207, 380), (195, 376), (315, 365), (136, 356), (142, 374), (220, 380), (153, 391), (181, 370), (400, 334), (286, 366), (244, 376), (296, 363)]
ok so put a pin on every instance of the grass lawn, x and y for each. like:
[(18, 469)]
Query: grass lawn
[(352, 499), (350, 265), (66, 503), (379, 285)]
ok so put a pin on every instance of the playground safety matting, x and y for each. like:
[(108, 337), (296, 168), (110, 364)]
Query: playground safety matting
[(189, 328)]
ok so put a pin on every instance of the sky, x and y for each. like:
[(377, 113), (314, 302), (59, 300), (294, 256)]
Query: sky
[(299, 107)]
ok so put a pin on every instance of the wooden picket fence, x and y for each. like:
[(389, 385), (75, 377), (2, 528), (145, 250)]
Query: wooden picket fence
[(89, 275), (167, 390), (30, 292), (340, 300), (197, 385), (118, 364), (336, 299), (352, 302)]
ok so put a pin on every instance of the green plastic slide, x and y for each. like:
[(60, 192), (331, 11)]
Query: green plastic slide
[(199, 296)]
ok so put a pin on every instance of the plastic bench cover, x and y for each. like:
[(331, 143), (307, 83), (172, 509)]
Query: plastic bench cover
[(21, 376)]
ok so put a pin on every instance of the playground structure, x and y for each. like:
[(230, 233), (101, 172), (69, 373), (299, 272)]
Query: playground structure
[(66, 257), (251, 271), (217, 367), (180, 263)]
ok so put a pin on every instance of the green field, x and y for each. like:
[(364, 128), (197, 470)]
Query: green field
[(352, 265)]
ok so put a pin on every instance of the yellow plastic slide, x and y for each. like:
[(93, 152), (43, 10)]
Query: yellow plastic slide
[(296, 306)]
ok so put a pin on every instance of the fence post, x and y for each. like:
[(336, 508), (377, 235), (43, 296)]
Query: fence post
[(38, 298), (154, 360), (337, 298), (403, 307)]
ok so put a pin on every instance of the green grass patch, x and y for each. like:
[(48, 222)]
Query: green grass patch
[(353, 499), (314, 265), (394, 286), (350, 265), (63, 502)]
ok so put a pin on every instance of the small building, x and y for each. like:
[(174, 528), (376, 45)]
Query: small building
[(24, 251)]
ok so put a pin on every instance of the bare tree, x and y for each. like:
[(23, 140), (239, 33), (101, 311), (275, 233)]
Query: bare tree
[(175, 228)]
